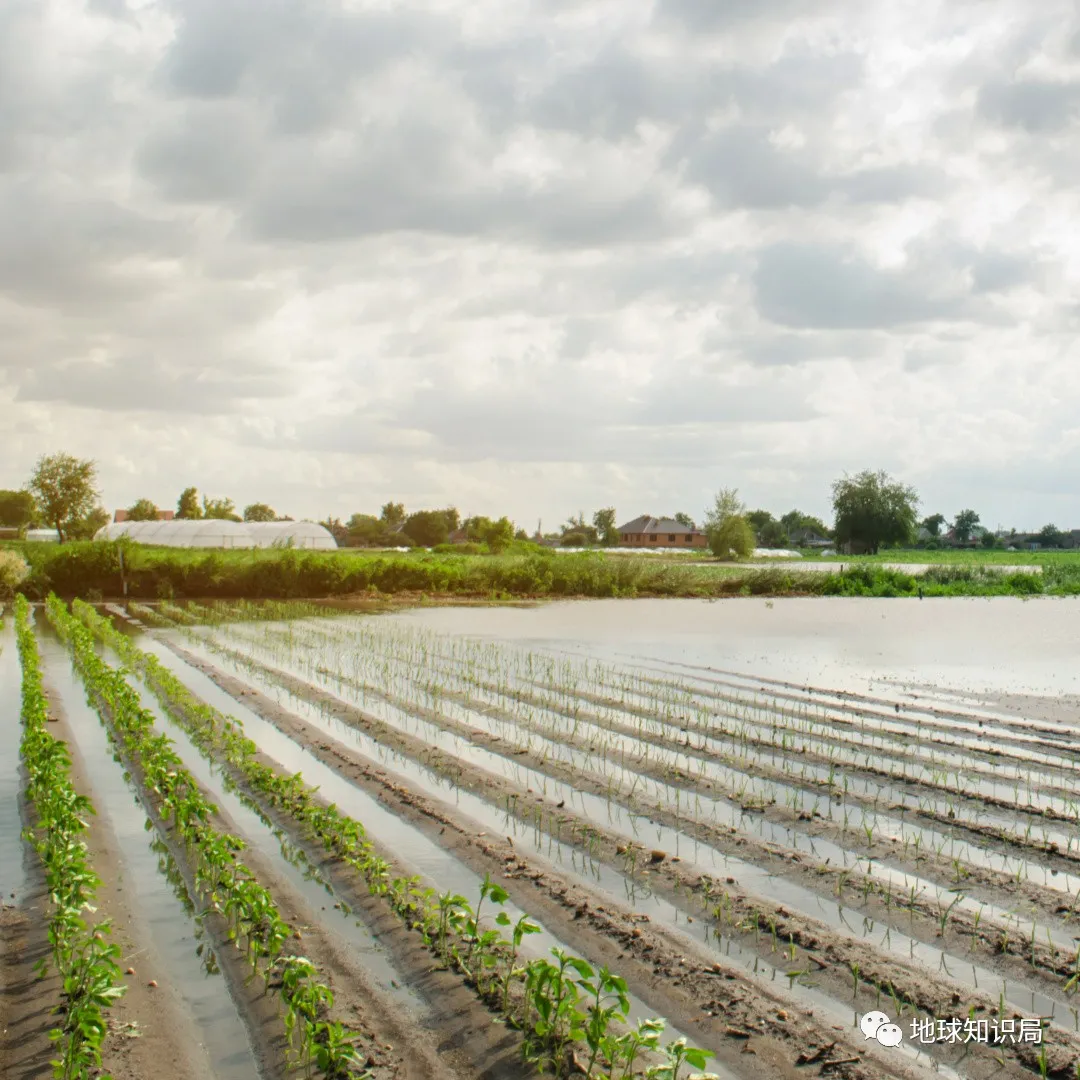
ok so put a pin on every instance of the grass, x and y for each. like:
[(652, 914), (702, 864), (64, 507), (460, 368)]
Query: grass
[(93, 571)]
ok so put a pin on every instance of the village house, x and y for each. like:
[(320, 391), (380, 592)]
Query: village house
[(648, 531)]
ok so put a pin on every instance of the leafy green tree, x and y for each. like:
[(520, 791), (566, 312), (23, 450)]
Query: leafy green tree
[(187, 507), (64, 489), (453, 519), (393, 514), (427, 527), (733, 538), (872, 509), (933, 524), (496, 534), (965, 524), (142, 510), (684, 519), (17, 509), (1050, 536), (366, 530), (726, 504), (260, 512), (335, 527), (85, 527), (606, 529), (989, 540), (219, 509), (769, 532), (578, 527), (796, 519)]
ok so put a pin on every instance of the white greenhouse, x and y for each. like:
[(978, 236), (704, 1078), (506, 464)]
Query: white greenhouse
[(216, 533), (297, 534)]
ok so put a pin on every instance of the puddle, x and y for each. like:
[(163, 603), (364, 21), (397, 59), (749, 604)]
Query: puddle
[(698, 806), (168, 927), (639, 828), (411, 846), (523, 716)]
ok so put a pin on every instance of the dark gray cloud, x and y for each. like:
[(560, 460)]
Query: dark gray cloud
[(821, 285), (1039, 106), (729, 14), (743, 168), (142, 384)]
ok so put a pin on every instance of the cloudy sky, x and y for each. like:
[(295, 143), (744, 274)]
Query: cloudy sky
[(541, 256)]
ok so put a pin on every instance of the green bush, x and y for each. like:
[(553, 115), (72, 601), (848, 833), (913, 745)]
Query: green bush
[(732, 539), (14, 570)]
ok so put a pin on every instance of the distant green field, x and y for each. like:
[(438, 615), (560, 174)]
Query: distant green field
[(93, 571), (977, 557)]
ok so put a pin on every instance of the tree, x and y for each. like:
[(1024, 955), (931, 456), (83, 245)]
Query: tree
[(965, 522), (584, 533), (685, 519), (606, 529), (726, 504), (496, 534), (17, 509), (260, 512), (63, 487), (393, 514), (796, 519), (365, 530), (334, 526), (1050, 536), (768, 531), (733, 538), (187, 507), (933, 524), (142, 510), (872, 509), (453, 519), (989, 540), (427, 527), (219, 509), (85, 527)]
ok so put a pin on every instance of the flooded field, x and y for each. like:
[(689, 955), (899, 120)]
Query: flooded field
[(765, 819)]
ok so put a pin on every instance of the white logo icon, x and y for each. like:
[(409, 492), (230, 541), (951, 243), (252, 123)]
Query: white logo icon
[(877, 1025)]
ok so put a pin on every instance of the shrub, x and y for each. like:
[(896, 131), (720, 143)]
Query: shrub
[(732, 538), (13, 572), (460, 549)]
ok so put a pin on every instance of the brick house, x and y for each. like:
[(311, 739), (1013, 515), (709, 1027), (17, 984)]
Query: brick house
[(162, 515), (650, 532)]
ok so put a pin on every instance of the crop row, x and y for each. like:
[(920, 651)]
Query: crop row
[(676, 774), (82, 953), (565, 686), (224, 883), (750, 771), (946, 910), (555, 1004)]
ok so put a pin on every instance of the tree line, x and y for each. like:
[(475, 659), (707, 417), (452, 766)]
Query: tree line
[(871, 510)]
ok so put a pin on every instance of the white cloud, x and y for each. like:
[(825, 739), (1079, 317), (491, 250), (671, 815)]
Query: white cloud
[(538, 258)]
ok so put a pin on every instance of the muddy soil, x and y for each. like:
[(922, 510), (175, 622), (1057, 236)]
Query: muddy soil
[(690, 991)]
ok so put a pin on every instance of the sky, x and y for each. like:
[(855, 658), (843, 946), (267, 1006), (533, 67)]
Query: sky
[(536, 258)]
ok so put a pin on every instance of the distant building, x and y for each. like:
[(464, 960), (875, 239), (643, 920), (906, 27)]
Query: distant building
[(648, 531), (808, 538), (162, 515)]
